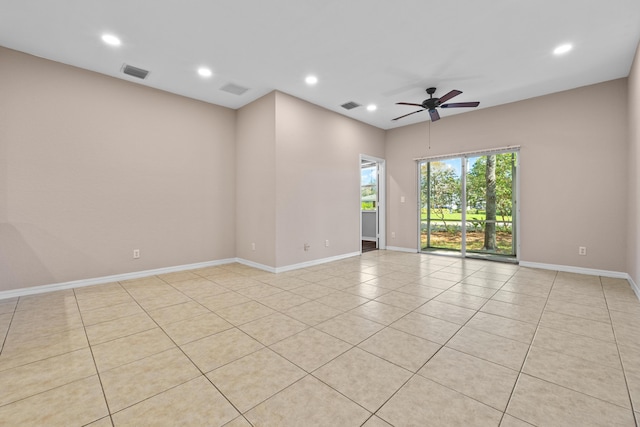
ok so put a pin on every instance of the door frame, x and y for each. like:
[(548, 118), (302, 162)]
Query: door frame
[(381, 205)]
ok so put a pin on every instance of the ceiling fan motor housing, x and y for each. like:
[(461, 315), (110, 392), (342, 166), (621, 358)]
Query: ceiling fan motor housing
[(431, 103)]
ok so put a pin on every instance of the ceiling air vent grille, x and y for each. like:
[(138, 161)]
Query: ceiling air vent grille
[(350, 105), (135, 71), (234, 89)]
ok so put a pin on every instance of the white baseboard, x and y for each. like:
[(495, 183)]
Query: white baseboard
[(572, 269), (140, 274), (296, 266), (399, 249), (108, 279), (634, 286), (589, 271), (259, 266), (316, 262)]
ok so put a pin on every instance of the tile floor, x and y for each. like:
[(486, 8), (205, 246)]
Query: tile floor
[(382, 339)]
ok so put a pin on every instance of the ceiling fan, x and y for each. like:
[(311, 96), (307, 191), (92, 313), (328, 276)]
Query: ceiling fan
[(432, 103)]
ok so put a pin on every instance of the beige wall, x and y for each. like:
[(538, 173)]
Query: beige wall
[(633, 250), (573, 171), (93, 167), (318, 180), (256, 181)]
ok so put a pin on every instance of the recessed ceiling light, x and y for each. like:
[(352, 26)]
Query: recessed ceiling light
[(111, 40), (205, 72), (563, 48), (372, 107), (311, 80)]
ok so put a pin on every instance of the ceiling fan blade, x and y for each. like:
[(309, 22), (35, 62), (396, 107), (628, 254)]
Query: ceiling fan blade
[(408, 103), (407, 114), (434, 115), (448, 96), (461, 104)]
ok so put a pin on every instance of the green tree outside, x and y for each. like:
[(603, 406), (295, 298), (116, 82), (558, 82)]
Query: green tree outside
[(489, 192), (441, 182), (477, 186)]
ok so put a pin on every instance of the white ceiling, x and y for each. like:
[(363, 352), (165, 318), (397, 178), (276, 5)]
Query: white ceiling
[(367, 51)]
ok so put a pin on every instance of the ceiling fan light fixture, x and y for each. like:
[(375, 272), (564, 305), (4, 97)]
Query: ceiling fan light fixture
[(562, 49)]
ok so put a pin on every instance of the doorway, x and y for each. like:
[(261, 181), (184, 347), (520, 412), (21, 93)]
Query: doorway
[(468, 205), (372, 203)]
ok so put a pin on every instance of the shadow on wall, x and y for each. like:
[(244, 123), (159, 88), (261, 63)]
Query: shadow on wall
[(20, 266)]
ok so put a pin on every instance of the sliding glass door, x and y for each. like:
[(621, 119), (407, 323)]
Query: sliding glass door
[(440, 204), (467, 205)]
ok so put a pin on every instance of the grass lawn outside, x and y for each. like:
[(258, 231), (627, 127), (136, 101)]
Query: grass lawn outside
[(475, 241), (457, 216), (450, 238)]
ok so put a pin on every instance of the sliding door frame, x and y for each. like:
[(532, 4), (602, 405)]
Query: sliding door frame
[(463, 196)]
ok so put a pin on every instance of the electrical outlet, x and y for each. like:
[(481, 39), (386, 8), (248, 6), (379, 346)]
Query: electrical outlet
[(326, 243), (253, 246), (582, 250), (393, 234), (136, 253), (306, 247)]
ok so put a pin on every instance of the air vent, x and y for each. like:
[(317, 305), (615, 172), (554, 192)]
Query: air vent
[(135, 71), (234, 89), (350, 105)]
